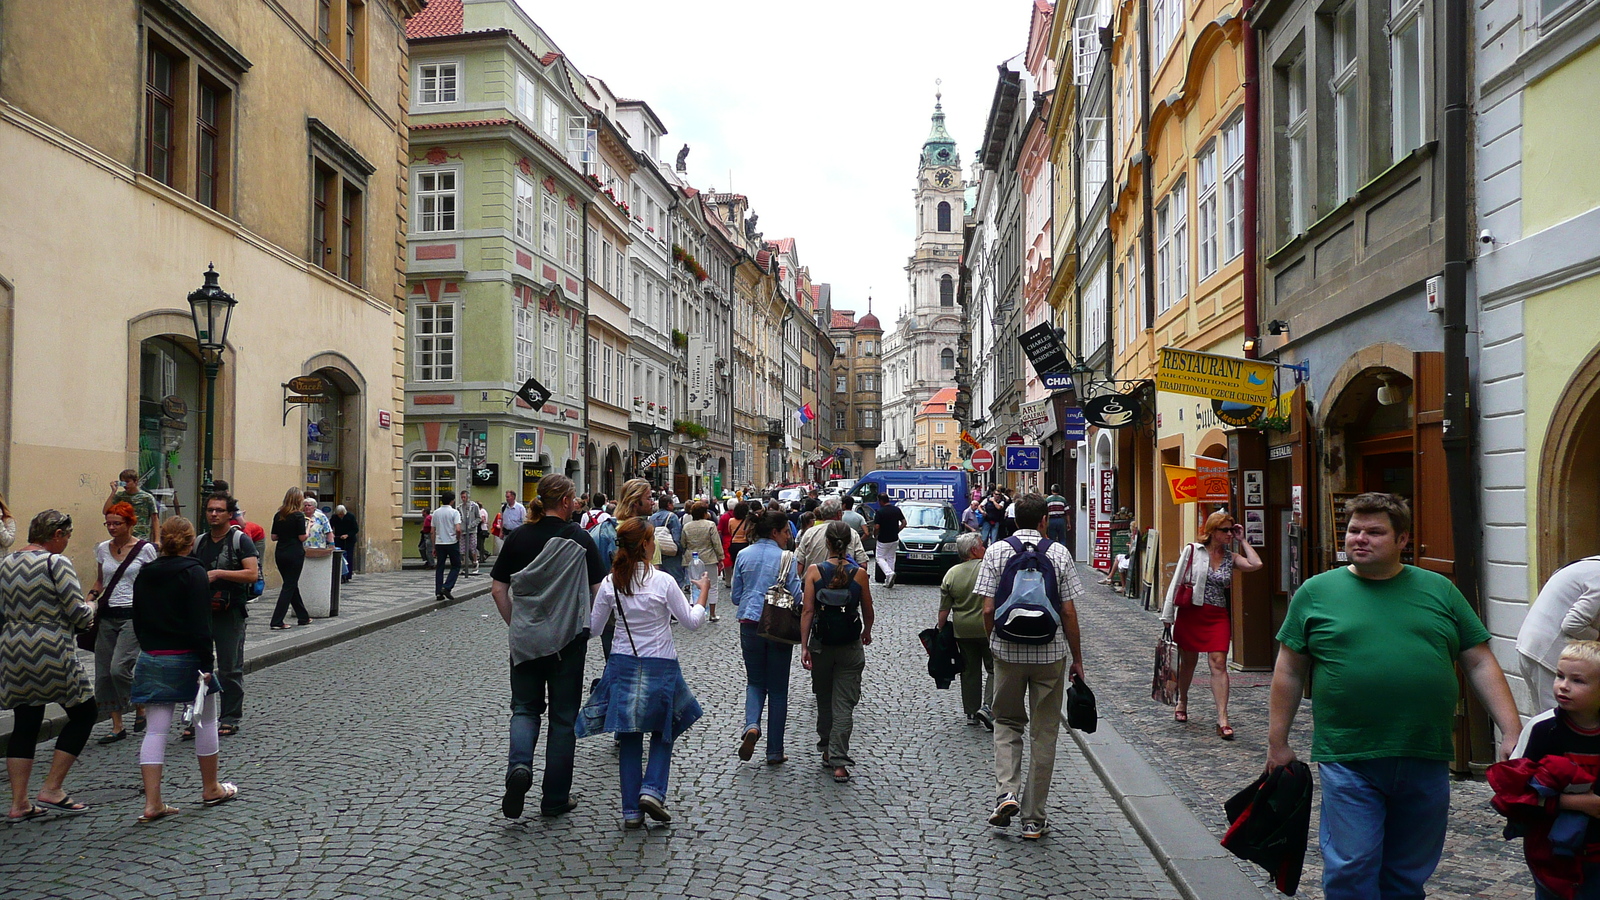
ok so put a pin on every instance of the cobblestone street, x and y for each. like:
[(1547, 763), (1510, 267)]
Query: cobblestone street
[(374, 769), (1119, 638)]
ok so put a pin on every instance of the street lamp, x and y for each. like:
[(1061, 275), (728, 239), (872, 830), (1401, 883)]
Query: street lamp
[(212, 310)]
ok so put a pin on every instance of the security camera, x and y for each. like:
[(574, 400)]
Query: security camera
[(1485, 237)]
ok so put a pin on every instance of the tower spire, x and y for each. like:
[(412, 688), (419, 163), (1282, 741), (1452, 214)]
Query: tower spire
[(940, 148)]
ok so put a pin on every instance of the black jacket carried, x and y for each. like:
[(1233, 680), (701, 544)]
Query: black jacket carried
[(944, 655), (1269, 823)]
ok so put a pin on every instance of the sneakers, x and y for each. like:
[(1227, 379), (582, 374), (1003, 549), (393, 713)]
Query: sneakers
[(985, 717), (653, 808), (889, 582), (518, 780), (633, 822), (1004, 810), (1032, 831)]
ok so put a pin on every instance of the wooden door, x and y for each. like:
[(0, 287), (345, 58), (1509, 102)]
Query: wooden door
[(1432, 540)]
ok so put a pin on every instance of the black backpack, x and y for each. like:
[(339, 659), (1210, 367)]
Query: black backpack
[(838, 617)]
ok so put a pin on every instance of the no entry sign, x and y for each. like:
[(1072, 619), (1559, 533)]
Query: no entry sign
[(982, 460)]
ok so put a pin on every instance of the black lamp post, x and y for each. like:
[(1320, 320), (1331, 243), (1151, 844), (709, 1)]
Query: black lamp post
[(212, 310)]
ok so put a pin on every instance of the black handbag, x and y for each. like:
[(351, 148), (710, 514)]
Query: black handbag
[(1081, 713), (88, 637)]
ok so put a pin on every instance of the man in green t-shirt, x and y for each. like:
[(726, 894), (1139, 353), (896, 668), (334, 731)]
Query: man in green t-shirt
[(957, 601), (1383, 638), (126, 490)]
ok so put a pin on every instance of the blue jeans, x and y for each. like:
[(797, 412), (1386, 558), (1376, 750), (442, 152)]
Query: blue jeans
[(1588, 890), (451, 552), (560, 677), (1058, 529), (989, 530), (653, 780), (766, 680), (1383, 825)]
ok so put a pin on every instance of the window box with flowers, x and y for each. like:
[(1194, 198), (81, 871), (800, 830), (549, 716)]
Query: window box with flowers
[(692, 430), (679, 339)]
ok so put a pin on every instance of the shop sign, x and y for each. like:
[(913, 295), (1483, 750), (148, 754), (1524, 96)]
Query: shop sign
[(1113, 411), (701, 358), (486, 475), (307, 384), (533, 393), (525, 446), (1044, 350), (173, 407), (1074, 428), (1108, 492), (1238, 415), (385, 418), (1183, 482), (1218, 377), (1035, 414), (1214, 484), (531, 474), (1282, 451)]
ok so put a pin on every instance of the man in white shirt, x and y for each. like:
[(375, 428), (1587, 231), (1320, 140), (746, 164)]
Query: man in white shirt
[(1568, 608), (512, 515), (446, 544)]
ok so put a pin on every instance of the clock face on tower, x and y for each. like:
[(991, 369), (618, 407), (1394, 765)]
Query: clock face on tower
[(943, 178)]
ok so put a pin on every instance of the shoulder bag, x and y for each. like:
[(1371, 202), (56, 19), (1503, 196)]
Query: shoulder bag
[(780, 615), (1184, 594), (88, 636)]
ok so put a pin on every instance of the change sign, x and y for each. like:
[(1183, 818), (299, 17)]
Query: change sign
[(1218, 377)]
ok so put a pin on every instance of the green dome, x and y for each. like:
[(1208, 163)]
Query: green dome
[(940, 148)]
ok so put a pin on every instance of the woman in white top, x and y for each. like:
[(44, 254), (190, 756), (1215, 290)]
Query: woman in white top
[(116, 648), (643, 689)]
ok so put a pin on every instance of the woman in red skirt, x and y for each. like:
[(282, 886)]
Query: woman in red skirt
[(1202, 626)]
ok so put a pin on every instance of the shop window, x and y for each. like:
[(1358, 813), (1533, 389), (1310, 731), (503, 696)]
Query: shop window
[(427, 476), (170, 417)]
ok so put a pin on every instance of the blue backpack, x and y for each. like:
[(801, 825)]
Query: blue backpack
[(1028, 611)]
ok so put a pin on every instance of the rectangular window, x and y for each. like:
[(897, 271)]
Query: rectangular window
[(350, 235), (840, 383), (609, 373), (574, 241), (1205, 171), (550, 225), (527, 215), (435, 198), (839, 419), (1294, 132), (622, 265), (436, 83), (1346, 127), (429, 475), (527, 99), (433, 341), (1232, 188), (1094, 155), (938, 428), (1408, 82), (322, 182), (160, 116), (1180, 240), (1164, 296), (594, 367), (552, 117), (550, 347), (206, 140), (523, 339), (869, 418), (1094, 314), (592, 272), (325, 22), (574, 342), (838, 348), (607, 252), (354, 30)]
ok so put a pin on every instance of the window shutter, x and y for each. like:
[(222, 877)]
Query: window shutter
[(1433, 543), (1085, 47)]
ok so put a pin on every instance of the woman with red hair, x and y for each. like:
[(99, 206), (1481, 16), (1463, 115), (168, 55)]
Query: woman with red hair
[(116, 648), (1201, 626)]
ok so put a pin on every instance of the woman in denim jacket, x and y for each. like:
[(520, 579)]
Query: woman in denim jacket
[(766, 663)]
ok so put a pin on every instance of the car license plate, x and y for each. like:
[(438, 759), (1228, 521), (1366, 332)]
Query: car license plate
[(926, 556)]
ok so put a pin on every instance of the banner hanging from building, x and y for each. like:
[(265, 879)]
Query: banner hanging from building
[(1218, 377), (1213, 483), (1183, 483), (702, 358)]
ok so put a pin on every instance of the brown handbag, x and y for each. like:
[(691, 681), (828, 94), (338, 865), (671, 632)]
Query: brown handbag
[(780, 615)]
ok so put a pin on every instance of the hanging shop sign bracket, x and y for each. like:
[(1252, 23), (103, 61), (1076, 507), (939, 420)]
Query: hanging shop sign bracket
[(303, 390)]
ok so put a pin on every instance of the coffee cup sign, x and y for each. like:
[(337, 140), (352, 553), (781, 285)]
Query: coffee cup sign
[(1113, 411)]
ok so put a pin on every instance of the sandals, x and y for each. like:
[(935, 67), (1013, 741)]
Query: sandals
[(227, 729), (229, 791), (1180, 715), (65, 805), (747, 744), (1225, 732), (165, 811), (841, 774), (33, 812)]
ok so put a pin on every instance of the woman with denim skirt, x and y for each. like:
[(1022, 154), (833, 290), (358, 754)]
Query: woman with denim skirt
[(172, 618), (766, 663), (643, 690)]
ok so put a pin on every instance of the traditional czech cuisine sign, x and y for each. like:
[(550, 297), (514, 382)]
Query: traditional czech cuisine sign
[(1245, 381)]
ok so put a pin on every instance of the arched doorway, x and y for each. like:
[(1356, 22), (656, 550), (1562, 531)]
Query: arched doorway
[(591, 472), (1569, 479), (171, 421), (680, 477), (1370, 430), (332, 461), (613, 471)]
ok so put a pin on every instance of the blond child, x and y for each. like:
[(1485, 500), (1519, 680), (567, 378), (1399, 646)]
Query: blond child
[(1571, 729)]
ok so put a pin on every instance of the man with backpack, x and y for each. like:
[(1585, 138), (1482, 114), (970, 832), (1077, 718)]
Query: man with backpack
[(233, 565), (1029, 587), (669, 537), (543, 584)]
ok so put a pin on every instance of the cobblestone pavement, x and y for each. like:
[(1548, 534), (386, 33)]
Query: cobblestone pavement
[(374, 768), (1119, 640)]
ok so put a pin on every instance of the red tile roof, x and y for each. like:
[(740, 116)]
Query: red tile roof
[(939, 404), (437, 19), (843, 318), (441, 126), (785, 245)]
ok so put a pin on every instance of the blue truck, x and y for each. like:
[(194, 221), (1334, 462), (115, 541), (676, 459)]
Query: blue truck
[(911, 484)]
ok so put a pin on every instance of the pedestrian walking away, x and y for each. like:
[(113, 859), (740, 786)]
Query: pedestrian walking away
[(232, 562), (1384, 639), (1056, 508), (147, 512), (172, 614), (767, 663), (425, 542), (116, 648), (543, 583), (643, 690), (470, 516), (700, 536), (345, 530), (41, 606), (1202, 625), (886, 528), (289, 535), (665, 517), (836, 627), (962, 607), (1026, 579), (1568, 608), (446, 545)]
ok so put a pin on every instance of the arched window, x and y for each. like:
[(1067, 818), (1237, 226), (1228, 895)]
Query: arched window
[(947, 358), (428, 475), (944, 216), (947, 291)]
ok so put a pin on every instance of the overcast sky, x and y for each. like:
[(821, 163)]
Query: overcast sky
[(817, 109)]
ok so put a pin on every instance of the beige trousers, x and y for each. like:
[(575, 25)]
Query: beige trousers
[(1043, 686)]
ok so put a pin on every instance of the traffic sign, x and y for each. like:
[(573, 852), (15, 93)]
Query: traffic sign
[(982, 460), (1015, 440), (1022, 459)]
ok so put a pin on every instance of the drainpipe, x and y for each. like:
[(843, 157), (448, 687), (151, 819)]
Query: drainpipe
[(1252, 180), (1147, 254), (1459, 422)]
